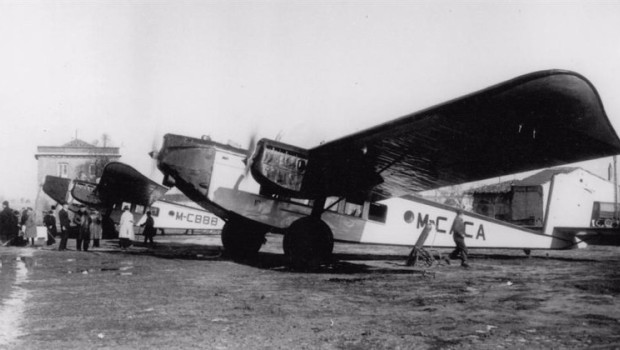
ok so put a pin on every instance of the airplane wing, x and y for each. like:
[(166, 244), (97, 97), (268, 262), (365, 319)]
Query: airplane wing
[(537, 120), (57, 188), (122, 183)]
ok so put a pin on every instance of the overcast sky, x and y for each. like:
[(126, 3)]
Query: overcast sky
[(309, 70)]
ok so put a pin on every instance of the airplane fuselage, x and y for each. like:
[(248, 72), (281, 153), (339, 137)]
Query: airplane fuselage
[(399, 221), (214, 178)]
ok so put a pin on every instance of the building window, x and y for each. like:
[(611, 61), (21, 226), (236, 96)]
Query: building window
[(63, 170), (91, 170)]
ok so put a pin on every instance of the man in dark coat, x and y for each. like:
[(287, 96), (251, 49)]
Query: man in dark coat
[(149, 229), (84, 234), (50, 223), (458, 232), (8, 224), (63, 217), (76, 224)]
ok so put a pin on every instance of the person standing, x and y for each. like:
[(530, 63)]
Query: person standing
[(126, 234), (22, 219), (63, 218), (107, 225), (458, 234), (76, 225), (31, 227), (84, 234), (149, 229), (50, 223), (8, 224), (18, 238), (96, 231)]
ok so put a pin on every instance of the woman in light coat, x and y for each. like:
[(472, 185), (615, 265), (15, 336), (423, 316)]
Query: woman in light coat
[(125, 232), (31, 228), (96, 232)]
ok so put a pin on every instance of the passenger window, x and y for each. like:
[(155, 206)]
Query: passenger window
[(377, 212), (353, 209), (154, 211)]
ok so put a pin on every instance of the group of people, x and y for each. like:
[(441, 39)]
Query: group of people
[(86, 225), (126, 234), (16, 228)]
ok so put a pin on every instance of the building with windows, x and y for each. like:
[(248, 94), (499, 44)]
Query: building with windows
[(73, 160), (579, 193)]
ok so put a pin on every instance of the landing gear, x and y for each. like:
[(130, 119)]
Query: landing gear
[(308, 243), (240, 240)]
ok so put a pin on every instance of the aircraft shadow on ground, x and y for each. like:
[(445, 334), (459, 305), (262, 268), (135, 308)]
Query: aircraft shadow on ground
[(343, 263)]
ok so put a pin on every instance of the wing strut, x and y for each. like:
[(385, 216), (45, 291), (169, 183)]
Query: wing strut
[(317, 207)]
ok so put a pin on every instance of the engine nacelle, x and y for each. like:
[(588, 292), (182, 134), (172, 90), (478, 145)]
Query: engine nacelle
[(280, 168)]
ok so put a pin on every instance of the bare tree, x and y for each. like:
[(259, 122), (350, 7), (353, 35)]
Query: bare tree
[(91, 171), (105, 138)]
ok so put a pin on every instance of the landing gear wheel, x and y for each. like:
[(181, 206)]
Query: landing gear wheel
[(241, 241), (308, 243)]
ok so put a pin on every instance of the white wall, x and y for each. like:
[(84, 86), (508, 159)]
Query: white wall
[(572, 198)]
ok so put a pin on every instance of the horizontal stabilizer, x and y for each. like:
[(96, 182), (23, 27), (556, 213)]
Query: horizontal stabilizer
[(57, 188)]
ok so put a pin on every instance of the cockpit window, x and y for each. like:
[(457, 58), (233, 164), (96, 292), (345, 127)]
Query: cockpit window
[(329, 203)]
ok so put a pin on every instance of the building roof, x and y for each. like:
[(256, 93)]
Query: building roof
[(544, 176), (77, 148), (77, 143), (501, 187), (534, 180)]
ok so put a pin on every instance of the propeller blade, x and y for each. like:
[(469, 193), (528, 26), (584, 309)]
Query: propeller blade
[(155, 146), (251, 149)]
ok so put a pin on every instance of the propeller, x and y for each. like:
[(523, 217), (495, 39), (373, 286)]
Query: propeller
[(251, 148), (155, 146)]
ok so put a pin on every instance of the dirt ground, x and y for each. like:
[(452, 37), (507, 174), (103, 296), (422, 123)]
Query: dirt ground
[(183, 294)]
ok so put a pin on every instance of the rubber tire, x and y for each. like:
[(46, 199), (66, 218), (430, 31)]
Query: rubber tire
[(308, 243), (241, 241)]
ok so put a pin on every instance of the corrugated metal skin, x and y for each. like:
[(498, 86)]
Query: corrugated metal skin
[(538, 120)]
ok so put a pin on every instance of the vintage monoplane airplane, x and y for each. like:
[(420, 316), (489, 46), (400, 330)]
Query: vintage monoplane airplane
[(352, 189), (123, 186)]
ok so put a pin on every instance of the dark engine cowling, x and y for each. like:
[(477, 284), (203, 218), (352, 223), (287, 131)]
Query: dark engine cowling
[(280, 168)]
